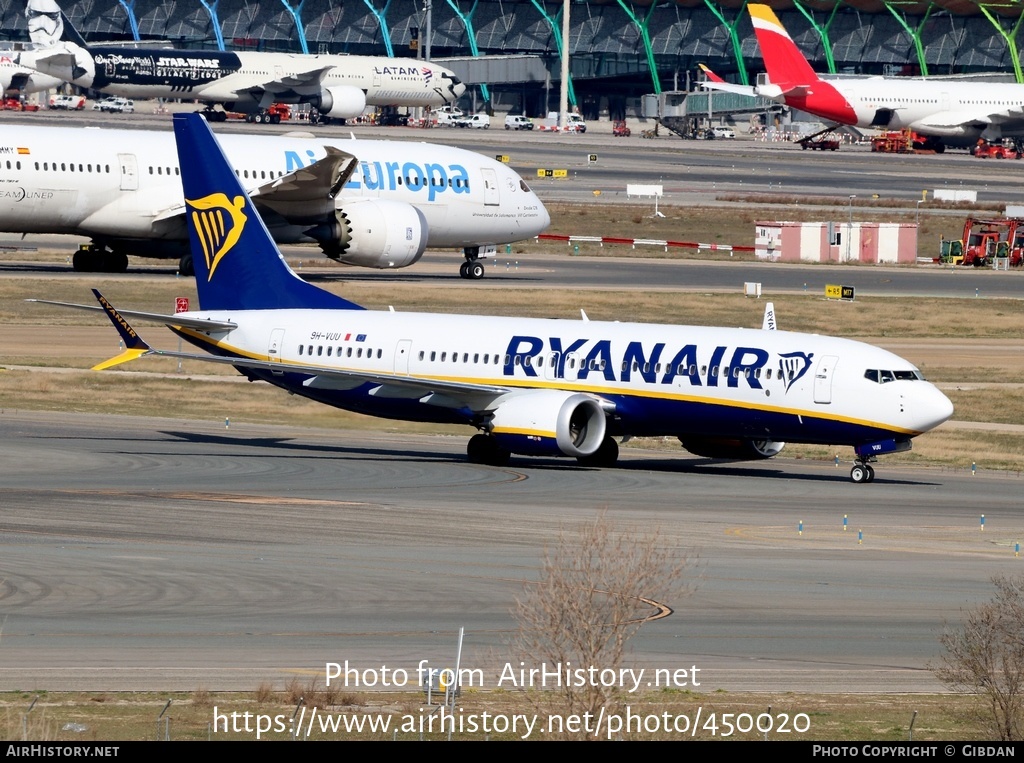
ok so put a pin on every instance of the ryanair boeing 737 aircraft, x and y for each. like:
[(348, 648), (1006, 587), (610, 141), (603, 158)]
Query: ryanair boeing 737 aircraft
[(529, 386)]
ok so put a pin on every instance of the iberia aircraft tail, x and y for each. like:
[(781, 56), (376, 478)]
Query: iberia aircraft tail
[(786, 65)]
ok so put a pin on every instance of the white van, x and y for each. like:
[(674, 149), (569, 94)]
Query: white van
[(518, 122), (448, 116), (478, 121), (68, 102)]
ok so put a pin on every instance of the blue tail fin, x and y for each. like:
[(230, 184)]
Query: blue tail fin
[(237, 263)]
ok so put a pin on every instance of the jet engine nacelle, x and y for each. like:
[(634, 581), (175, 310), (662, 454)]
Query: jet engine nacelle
[(735, 448), (548, 423), (341, 102), (374, 233)]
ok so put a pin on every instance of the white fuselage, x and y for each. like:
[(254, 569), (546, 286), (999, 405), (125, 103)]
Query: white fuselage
[(125, 184), (245, 81), (941, 108), (655, 380)]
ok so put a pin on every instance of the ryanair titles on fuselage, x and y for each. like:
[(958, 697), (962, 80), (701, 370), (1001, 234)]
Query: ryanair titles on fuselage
[(657, 364), (430, 177)]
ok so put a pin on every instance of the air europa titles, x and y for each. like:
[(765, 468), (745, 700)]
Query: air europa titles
[(430, 177), (653, 364)]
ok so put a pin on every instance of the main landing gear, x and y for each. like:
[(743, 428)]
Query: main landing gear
[(484, 449), (93, 258), (862, 472), (472, 268), (606, 455), (185, 266), (212, 115)]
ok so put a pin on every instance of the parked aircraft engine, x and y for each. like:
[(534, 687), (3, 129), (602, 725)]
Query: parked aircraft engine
[(737, 448), (342, 102), (548, 423), (374, 233)]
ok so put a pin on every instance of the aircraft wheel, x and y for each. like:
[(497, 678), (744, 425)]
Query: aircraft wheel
[(484, 449), (475, 270), (859, 473), (84, 261), (606, 455), (275, 119), (116, 262), (871, 473), (185, 265), (464, 270)]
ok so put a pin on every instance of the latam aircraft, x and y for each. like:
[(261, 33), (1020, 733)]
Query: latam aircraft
[(248, 82), (369, 203), (950, 112), (530, 386)]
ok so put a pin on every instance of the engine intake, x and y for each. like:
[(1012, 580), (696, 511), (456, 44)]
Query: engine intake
[(374, 233), (548, 423), (341, 102)]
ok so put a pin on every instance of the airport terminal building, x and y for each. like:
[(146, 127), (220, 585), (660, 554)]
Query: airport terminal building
[(618, 49)]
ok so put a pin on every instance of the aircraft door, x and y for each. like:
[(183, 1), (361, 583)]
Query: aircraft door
[(129, 172), (274, 349), (551, 360), (823, 379), (402, 353), (490, 178)]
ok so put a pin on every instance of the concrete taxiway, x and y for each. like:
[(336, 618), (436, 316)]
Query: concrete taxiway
[(165, 554)]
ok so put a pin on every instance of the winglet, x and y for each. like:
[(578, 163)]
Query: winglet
[(134, 346), (769, 323), (710, 74)]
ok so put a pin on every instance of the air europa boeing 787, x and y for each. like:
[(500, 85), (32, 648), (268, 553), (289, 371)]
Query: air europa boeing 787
[(370, 203), (530, 386)]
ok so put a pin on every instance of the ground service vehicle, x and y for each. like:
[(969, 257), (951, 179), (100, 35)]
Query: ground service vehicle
[(518, 122), (985, 241), (476, 121), (906, 142), (68, 102), (619, 130), (1007, 148)]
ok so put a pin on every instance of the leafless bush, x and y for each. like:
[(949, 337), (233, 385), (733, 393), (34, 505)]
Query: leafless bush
[(985, 656), (598, 586)]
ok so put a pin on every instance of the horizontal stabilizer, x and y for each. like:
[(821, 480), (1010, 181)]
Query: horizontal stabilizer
[(203, 324)]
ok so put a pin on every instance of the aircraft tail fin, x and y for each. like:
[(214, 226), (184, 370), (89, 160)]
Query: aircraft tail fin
[(48, 26), (785, 63), (237, 264)]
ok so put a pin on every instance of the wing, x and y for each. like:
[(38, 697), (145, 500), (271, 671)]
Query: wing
[(290, 83), (319, 181), (728, 87), (950, 119)]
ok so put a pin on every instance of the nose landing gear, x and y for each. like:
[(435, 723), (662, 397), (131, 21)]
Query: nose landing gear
[(862, 472)]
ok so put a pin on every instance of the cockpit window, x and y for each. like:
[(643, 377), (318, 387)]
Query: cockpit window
[(523, 186), (882, 376)]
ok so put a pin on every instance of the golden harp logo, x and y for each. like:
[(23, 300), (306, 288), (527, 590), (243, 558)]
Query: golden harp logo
[(219, 224)]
